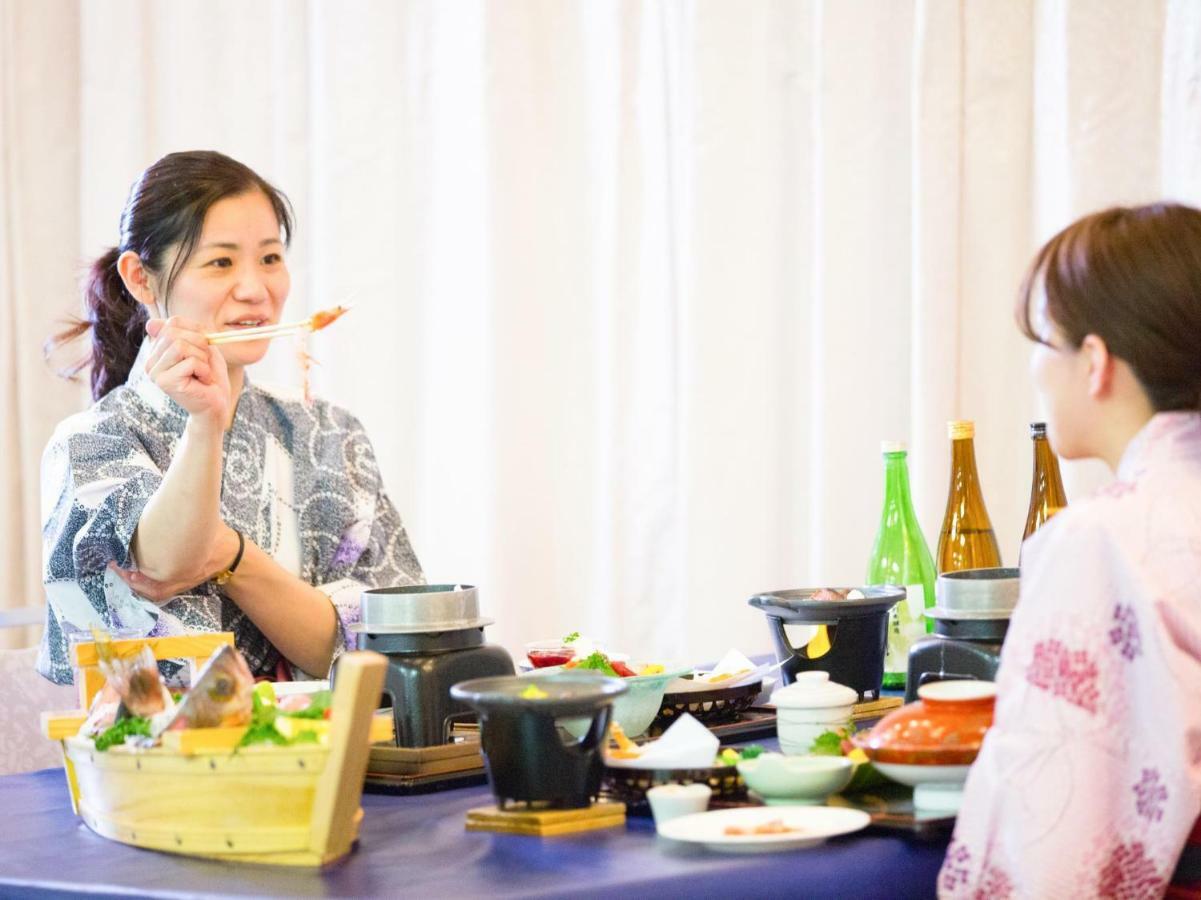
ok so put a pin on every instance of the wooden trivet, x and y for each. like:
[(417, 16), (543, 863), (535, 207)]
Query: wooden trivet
[(547, 822), (874, 709), (443, 759)]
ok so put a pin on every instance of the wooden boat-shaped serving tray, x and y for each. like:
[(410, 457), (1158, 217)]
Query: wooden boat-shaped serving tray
[(196, 795)]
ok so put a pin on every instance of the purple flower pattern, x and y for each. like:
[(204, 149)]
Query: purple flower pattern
[(1125, 634), (955, 867), (1150, 794)]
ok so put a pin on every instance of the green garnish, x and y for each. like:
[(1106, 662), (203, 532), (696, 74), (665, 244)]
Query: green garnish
[(316, 708), (751, 751), (263, 714), (598, 661), (574, 636), (829, 743), (116, 733)]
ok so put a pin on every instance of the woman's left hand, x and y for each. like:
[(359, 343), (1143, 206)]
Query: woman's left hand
[(145, 586), (225, 547)]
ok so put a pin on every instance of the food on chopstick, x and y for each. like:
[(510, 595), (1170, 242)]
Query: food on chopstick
[(317, 321), (775, 826), (306, 363), (325, 317)]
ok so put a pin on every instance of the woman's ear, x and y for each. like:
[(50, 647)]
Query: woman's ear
[(1100, 366), (137, 280)]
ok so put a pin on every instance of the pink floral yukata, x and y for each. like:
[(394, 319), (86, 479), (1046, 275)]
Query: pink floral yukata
[(1089, 782)]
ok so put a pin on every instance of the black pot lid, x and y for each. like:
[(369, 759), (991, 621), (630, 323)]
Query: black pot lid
[(566, 693), (798, 605)]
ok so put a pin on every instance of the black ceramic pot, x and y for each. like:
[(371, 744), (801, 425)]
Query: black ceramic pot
[(529, 758)]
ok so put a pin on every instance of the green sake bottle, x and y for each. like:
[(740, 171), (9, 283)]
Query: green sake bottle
[(901, 557)]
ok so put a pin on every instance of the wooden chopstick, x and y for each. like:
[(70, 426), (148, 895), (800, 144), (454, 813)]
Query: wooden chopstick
[(265, 333)]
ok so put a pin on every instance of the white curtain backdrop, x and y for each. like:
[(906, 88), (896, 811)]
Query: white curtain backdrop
[(640, 286)]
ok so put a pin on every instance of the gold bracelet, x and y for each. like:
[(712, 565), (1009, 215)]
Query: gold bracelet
[(223, 576)]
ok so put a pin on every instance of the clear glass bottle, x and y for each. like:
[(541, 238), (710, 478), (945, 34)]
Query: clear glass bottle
[(1046, 490), (901, 556), (967, 539)]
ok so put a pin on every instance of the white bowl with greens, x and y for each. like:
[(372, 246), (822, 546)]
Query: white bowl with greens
[(634, 710)]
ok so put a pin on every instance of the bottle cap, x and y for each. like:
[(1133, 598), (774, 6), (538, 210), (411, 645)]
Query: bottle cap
[(1038, 429), (959, 429), (892, 447)]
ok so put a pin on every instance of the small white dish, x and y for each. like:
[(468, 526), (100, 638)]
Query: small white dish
[(671, 801), (781, 779), (935, 788), (811, 825), (287, 688)]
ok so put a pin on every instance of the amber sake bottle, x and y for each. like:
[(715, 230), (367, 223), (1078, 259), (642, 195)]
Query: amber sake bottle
[(1046, 491), (967, 539)]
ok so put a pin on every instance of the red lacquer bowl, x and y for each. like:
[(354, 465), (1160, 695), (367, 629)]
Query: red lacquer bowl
[(945, 727)]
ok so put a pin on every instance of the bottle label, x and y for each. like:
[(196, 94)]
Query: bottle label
[(906, 623)]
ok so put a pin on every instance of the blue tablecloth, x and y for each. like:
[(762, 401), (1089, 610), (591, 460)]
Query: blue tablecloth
[(417, 846)]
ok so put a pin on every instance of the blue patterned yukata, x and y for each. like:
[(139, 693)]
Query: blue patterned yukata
[(299, 479)]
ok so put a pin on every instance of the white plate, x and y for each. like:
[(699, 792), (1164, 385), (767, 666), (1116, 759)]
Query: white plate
[(814, 824), (286, 688)]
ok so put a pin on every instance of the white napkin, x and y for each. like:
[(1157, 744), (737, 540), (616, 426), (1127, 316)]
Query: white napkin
[(686, 744), (734, 661)]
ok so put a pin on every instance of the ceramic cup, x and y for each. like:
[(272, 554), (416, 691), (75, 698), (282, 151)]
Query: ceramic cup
[(670, 801)]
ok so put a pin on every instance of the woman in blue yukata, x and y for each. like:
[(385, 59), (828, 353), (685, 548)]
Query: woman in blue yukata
[(188, 499)]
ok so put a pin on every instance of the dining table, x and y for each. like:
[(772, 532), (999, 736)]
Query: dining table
[(418, 846)]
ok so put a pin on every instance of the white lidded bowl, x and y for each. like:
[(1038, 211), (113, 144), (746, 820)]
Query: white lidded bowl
[(809, 707)]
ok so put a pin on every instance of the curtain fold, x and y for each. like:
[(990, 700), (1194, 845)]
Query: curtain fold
[(641, 286)]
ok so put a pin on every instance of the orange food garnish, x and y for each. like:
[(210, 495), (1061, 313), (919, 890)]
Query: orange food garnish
[(624, 744), (325, 317)]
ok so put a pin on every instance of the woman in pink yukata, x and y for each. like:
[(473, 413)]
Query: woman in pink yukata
[(1089, 782)]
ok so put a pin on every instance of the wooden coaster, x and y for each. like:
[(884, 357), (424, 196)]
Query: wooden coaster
[(547, 822), (874, 709)]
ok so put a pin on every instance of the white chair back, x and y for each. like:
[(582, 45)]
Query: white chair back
[(24, 696)]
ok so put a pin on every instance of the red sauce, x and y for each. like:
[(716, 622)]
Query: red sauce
[(541, 659)]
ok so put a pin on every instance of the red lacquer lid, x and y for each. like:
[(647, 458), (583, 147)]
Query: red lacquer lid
[(945, 727)]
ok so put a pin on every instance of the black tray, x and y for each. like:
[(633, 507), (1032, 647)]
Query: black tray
[(405, 785), (755, 722), (711, 707), (891, 808), (629, 786)]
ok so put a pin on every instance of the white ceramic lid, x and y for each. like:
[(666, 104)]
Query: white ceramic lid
[(814, 690)]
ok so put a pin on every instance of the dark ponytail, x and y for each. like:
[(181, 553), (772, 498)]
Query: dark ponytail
[(164, 213)]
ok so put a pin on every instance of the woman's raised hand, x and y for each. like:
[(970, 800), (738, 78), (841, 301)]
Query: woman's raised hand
[(189, 369)]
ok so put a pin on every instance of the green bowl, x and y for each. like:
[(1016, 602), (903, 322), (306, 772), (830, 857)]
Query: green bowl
[(637, 707)]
